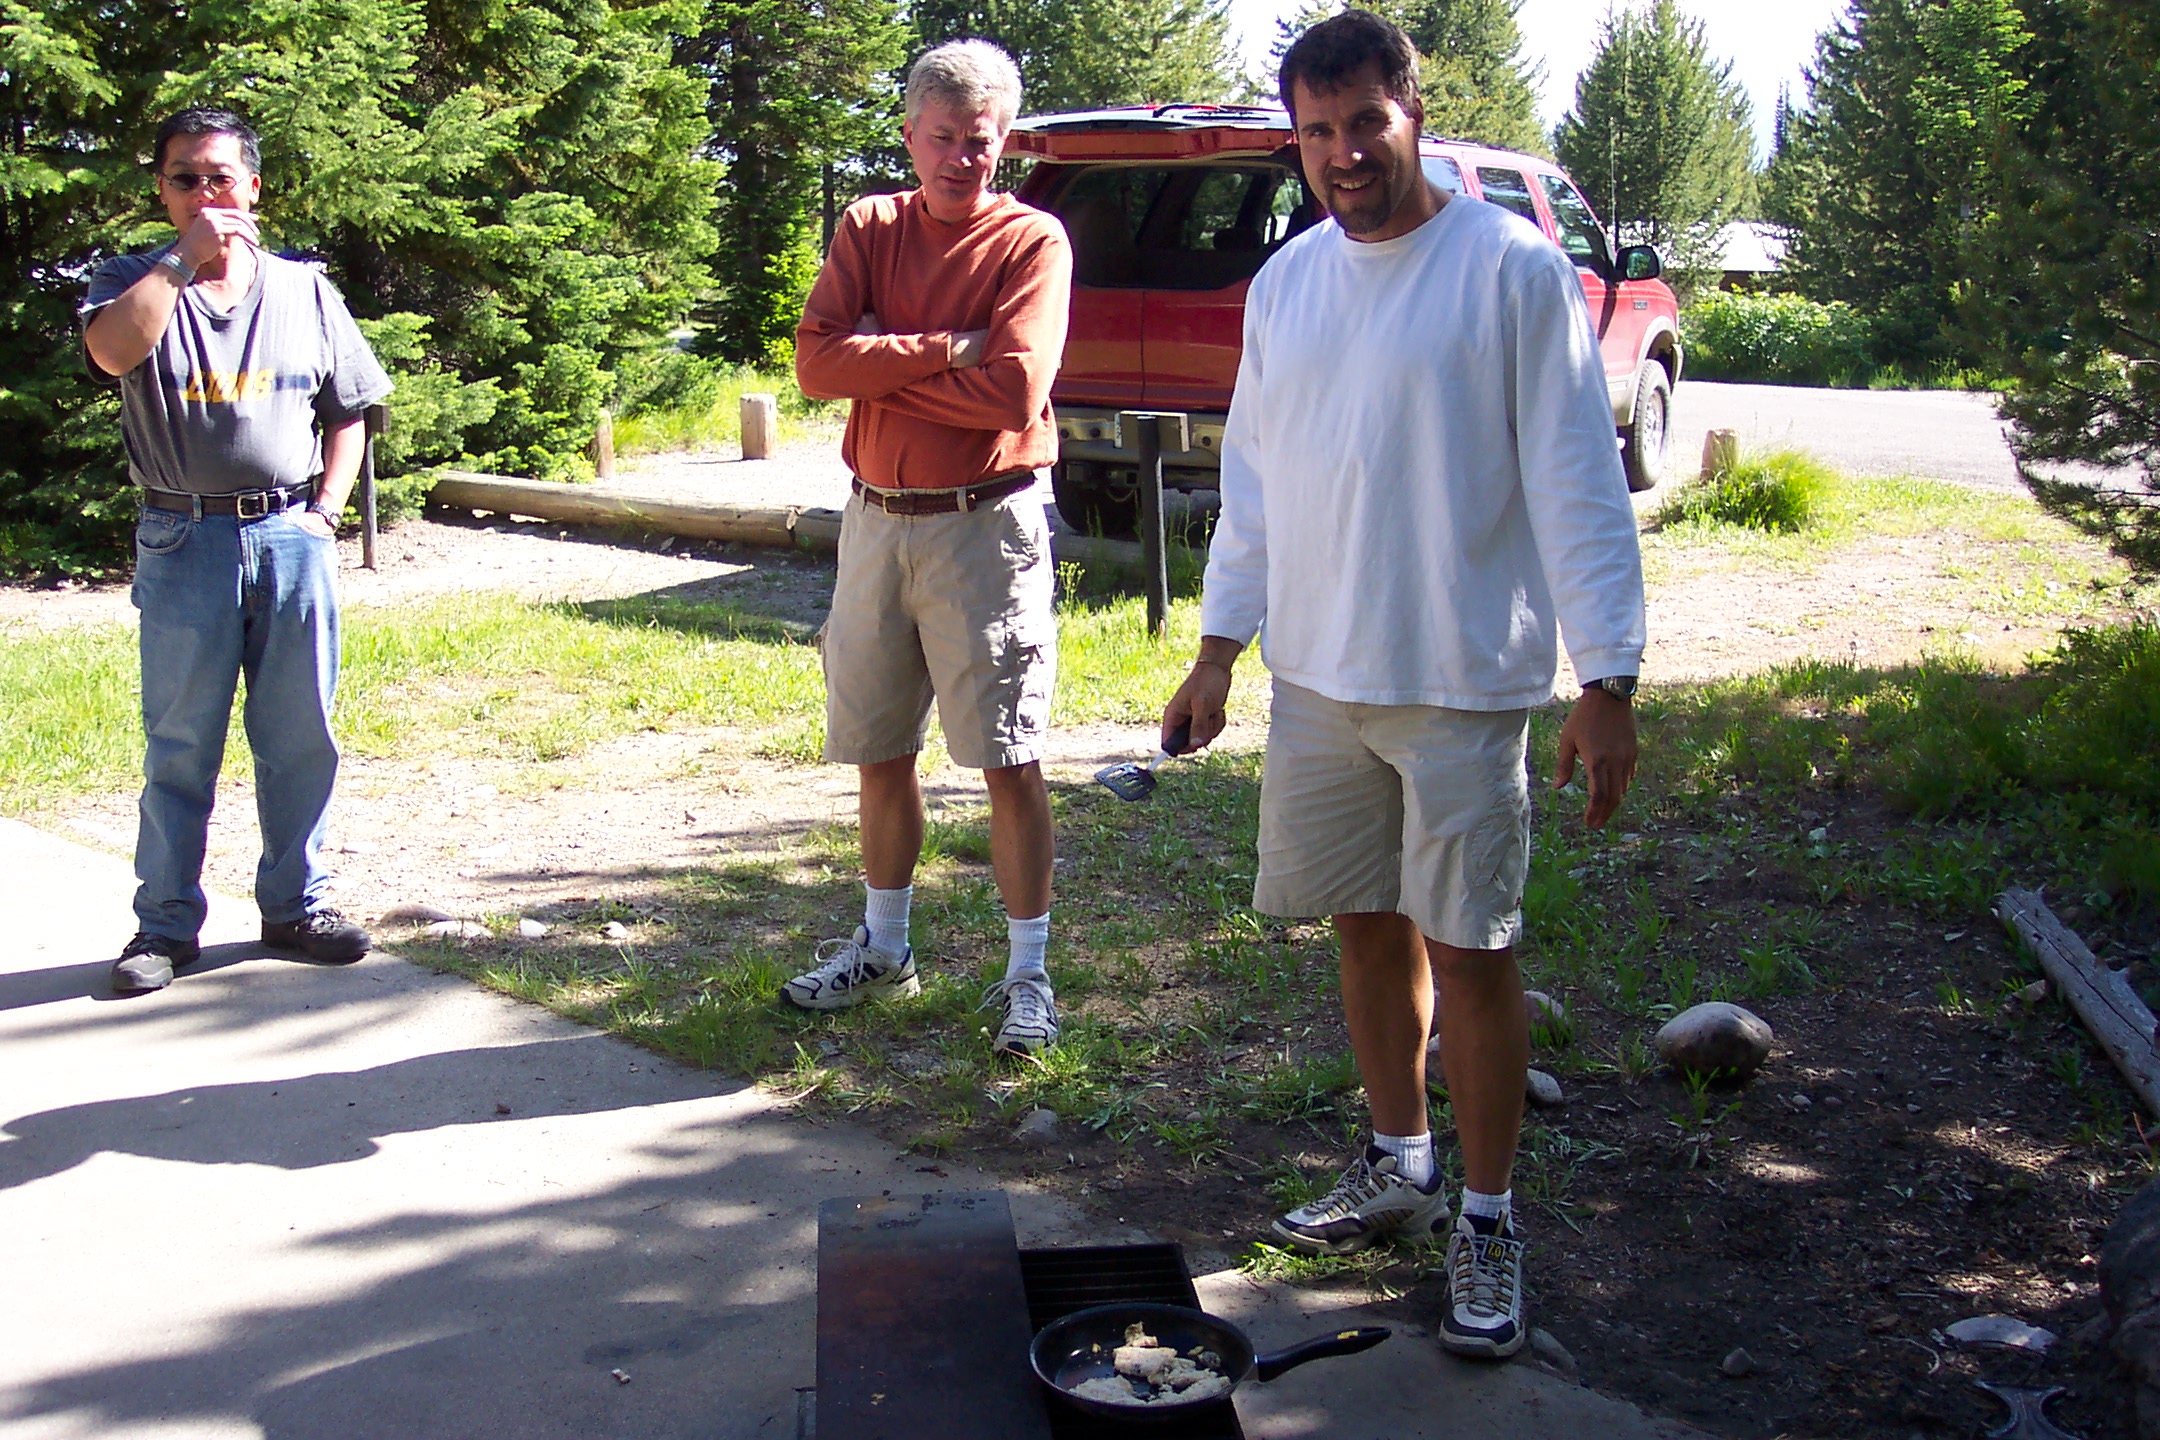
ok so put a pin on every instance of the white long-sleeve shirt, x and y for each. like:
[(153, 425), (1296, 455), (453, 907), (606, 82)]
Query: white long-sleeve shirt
[(1419, 475)]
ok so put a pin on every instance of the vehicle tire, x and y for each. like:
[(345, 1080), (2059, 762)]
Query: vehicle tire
[(1094, 499), (1643, 442)]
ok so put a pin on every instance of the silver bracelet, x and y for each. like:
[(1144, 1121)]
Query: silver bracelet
[(171, 260)]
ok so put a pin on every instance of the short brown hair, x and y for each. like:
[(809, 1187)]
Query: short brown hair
[(1329, 53)]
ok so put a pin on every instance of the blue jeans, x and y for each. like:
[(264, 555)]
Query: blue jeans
[(221, 599)]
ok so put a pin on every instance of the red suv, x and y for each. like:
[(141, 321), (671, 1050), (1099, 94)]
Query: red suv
[(1172, 209)]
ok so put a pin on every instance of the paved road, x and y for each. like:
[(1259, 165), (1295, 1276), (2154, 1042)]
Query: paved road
[(1935, 434), (291, 1202)]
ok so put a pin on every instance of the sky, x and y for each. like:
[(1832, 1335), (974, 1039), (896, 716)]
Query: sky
[(1767, 42)]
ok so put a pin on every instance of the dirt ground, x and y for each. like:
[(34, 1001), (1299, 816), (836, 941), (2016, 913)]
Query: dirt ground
[(1872, 1185)]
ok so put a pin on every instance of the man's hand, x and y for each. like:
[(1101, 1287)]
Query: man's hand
[(867, 324), (212, 234), (1601, 730), (1200, 700), (317, 523), (967, 348)]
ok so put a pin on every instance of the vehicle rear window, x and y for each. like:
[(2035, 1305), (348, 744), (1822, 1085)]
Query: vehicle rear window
[(1508, 188), (1444, 173), (1183, 227), (1580, 234)]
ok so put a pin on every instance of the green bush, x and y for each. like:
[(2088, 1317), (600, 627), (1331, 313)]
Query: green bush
[(1778, 492), (1786, 339)]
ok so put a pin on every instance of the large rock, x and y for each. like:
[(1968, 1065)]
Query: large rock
[(2130, 1288), (1715, 1038)]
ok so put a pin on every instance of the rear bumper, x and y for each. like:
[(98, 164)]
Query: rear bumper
[(1089, 433)]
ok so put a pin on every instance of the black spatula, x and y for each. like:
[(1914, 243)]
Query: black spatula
[(1135, 781)]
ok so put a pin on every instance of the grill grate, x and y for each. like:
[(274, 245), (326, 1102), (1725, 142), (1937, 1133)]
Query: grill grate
[(1059, 1282)]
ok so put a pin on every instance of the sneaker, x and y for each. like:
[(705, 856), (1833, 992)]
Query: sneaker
[(1030, 1024), (1370, 1201), (149, 960), (1484, 1316), (323, 935), (851, 971)]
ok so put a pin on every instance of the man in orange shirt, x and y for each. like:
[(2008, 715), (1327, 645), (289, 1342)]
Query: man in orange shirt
[(941, 314)]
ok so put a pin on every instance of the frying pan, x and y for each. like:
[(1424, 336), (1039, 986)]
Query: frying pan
[(1078, 1347)]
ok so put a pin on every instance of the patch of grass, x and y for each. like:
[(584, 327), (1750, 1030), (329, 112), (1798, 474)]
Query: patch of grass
[(1779, 492), (707, 414)]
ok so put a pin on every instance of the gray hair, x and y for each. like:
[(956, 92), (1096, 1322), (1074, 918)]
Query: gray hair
[(970, 76)]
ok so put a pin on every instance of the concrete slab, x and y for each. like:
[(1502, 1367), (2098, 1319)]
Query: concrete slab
[(286, 1200)]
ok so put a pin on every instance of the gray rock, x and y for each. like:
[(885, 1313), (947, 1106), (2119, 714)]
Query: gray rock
[(1737, 1364), (614, 930), (1551, 1351), (1037, 1127), (2005, 1330), (1715, 1037), (1544, 1012), (2034, 993), (415, 914), (531, 930), (458, 930), (1543, 1091)]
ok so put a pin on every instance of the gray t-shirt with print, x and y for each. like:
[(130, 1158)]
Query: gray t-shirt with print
[(231, 400)]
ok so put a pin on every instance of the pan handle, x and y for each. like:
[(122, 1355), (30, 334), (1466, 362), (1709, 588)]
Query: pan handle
[(1342, 1342)]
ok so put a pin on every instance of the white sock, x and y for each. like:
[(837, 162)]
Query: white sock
[(885, 916), (1413, 1155), (1030, 941), (1499, 1207)]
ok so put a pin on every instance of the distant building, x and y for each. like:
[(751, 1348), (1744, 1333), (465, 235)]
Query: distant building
[(1749, 253)]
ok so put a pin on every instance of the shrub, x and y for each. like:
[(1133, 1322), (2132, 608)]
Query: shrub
[(1786, 339), (1778, 492)]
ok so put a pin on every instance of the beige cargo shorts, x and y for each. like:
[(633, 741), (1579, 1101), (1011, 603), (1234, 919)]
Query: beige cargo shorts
[(953, 607), (1406, 808)]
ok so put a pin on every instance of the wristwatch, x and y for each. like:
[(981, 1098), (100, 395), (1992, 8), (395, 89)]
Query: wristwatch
[(182, 271), (1620, 687)]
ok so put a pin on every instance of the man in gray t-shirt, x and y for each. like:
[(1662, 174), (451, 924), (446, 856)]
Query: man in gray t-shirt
[(243, 385)]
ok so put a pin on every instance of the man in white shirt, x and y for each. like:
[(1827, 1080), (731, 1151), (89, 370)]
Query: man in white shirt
[(1419, 487)]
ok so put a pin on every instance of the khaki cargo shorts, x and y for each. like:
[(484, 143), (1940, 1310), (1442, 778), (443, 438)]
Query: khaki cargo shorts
[(1409, 808), (953, 607)]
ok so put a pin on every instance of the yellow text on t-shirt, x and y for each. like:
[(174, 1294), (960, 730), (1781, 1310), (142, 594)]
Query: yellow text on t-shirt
[(229, 387)]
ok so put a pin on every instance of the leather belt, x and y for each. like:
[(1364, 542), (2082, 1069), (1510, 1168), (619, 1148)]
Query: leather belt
[(247, 504), (945, 502)]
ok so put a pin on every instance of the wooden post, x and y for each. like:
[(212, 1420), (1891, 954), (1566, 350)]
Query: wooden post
[(371, 425), (760, 426), (603, 445), (2102, 998), (1151, 432), (1720, 452)]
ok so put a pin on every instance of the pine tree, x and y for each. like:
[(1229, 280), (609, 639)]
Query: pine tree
[(1884, 173), (797, 89), (1660, 135), (1079, 54), (1473, 78), (2064, 295)]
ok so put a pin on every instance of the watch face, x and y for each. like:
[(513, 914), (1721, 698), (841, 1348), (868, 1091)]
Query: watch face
[(1621, 686)]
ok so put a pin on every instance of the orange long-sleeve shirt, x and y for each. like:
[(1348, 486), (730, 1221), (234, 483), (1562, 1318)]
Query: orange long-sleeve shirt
[(917, 422)]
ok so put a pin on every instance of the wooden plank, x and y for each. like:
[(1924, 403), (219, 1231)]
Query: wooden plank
[(922, 1321), (2102, 998)]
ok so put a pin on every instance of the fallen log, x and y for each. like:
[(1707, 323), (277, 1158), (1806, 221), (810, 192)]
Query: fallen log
[(2101, 998)]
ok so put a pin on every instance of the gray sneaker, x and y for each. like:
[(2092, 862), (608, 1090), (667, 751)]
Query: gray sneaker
[(1370, 1202), (851, 971), (148, 962), (1484, 1314), (1028, 1024)]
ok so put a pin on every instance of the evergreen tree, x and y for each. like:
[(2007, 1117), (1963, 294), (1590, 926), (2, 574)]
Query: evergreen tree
[(1471, 72), (1884, 173), (1660, 136), (797, 90), (1079, 54), (2064, 298)]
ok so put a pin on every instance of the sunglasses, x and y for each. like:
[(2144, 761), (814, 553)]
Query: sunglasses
[(185, 182)]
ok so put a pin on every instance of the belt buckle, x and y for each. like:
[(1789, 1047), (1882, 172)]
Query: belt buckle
[(258, 510)]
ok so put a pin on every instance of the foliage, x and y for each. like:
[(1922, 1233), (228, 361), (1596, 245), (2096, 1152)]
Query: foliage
[(1787, 339), (1660, 134), (509, 192), (1079, 54), (794, 91), (1472, 74), (1884, 173), (2064, 298), (690, 403), (1779, 492)]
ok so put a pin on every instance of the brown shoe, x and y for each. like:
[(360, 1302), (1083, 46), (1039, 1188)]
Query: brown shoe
[(324, 935)]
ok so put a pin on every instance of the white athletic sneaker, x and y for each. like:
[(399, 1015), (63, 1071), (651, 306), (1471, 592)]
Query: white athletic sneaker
[(851, 971), (1030, 1022), (1370, 1201), (1484, 1315)]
